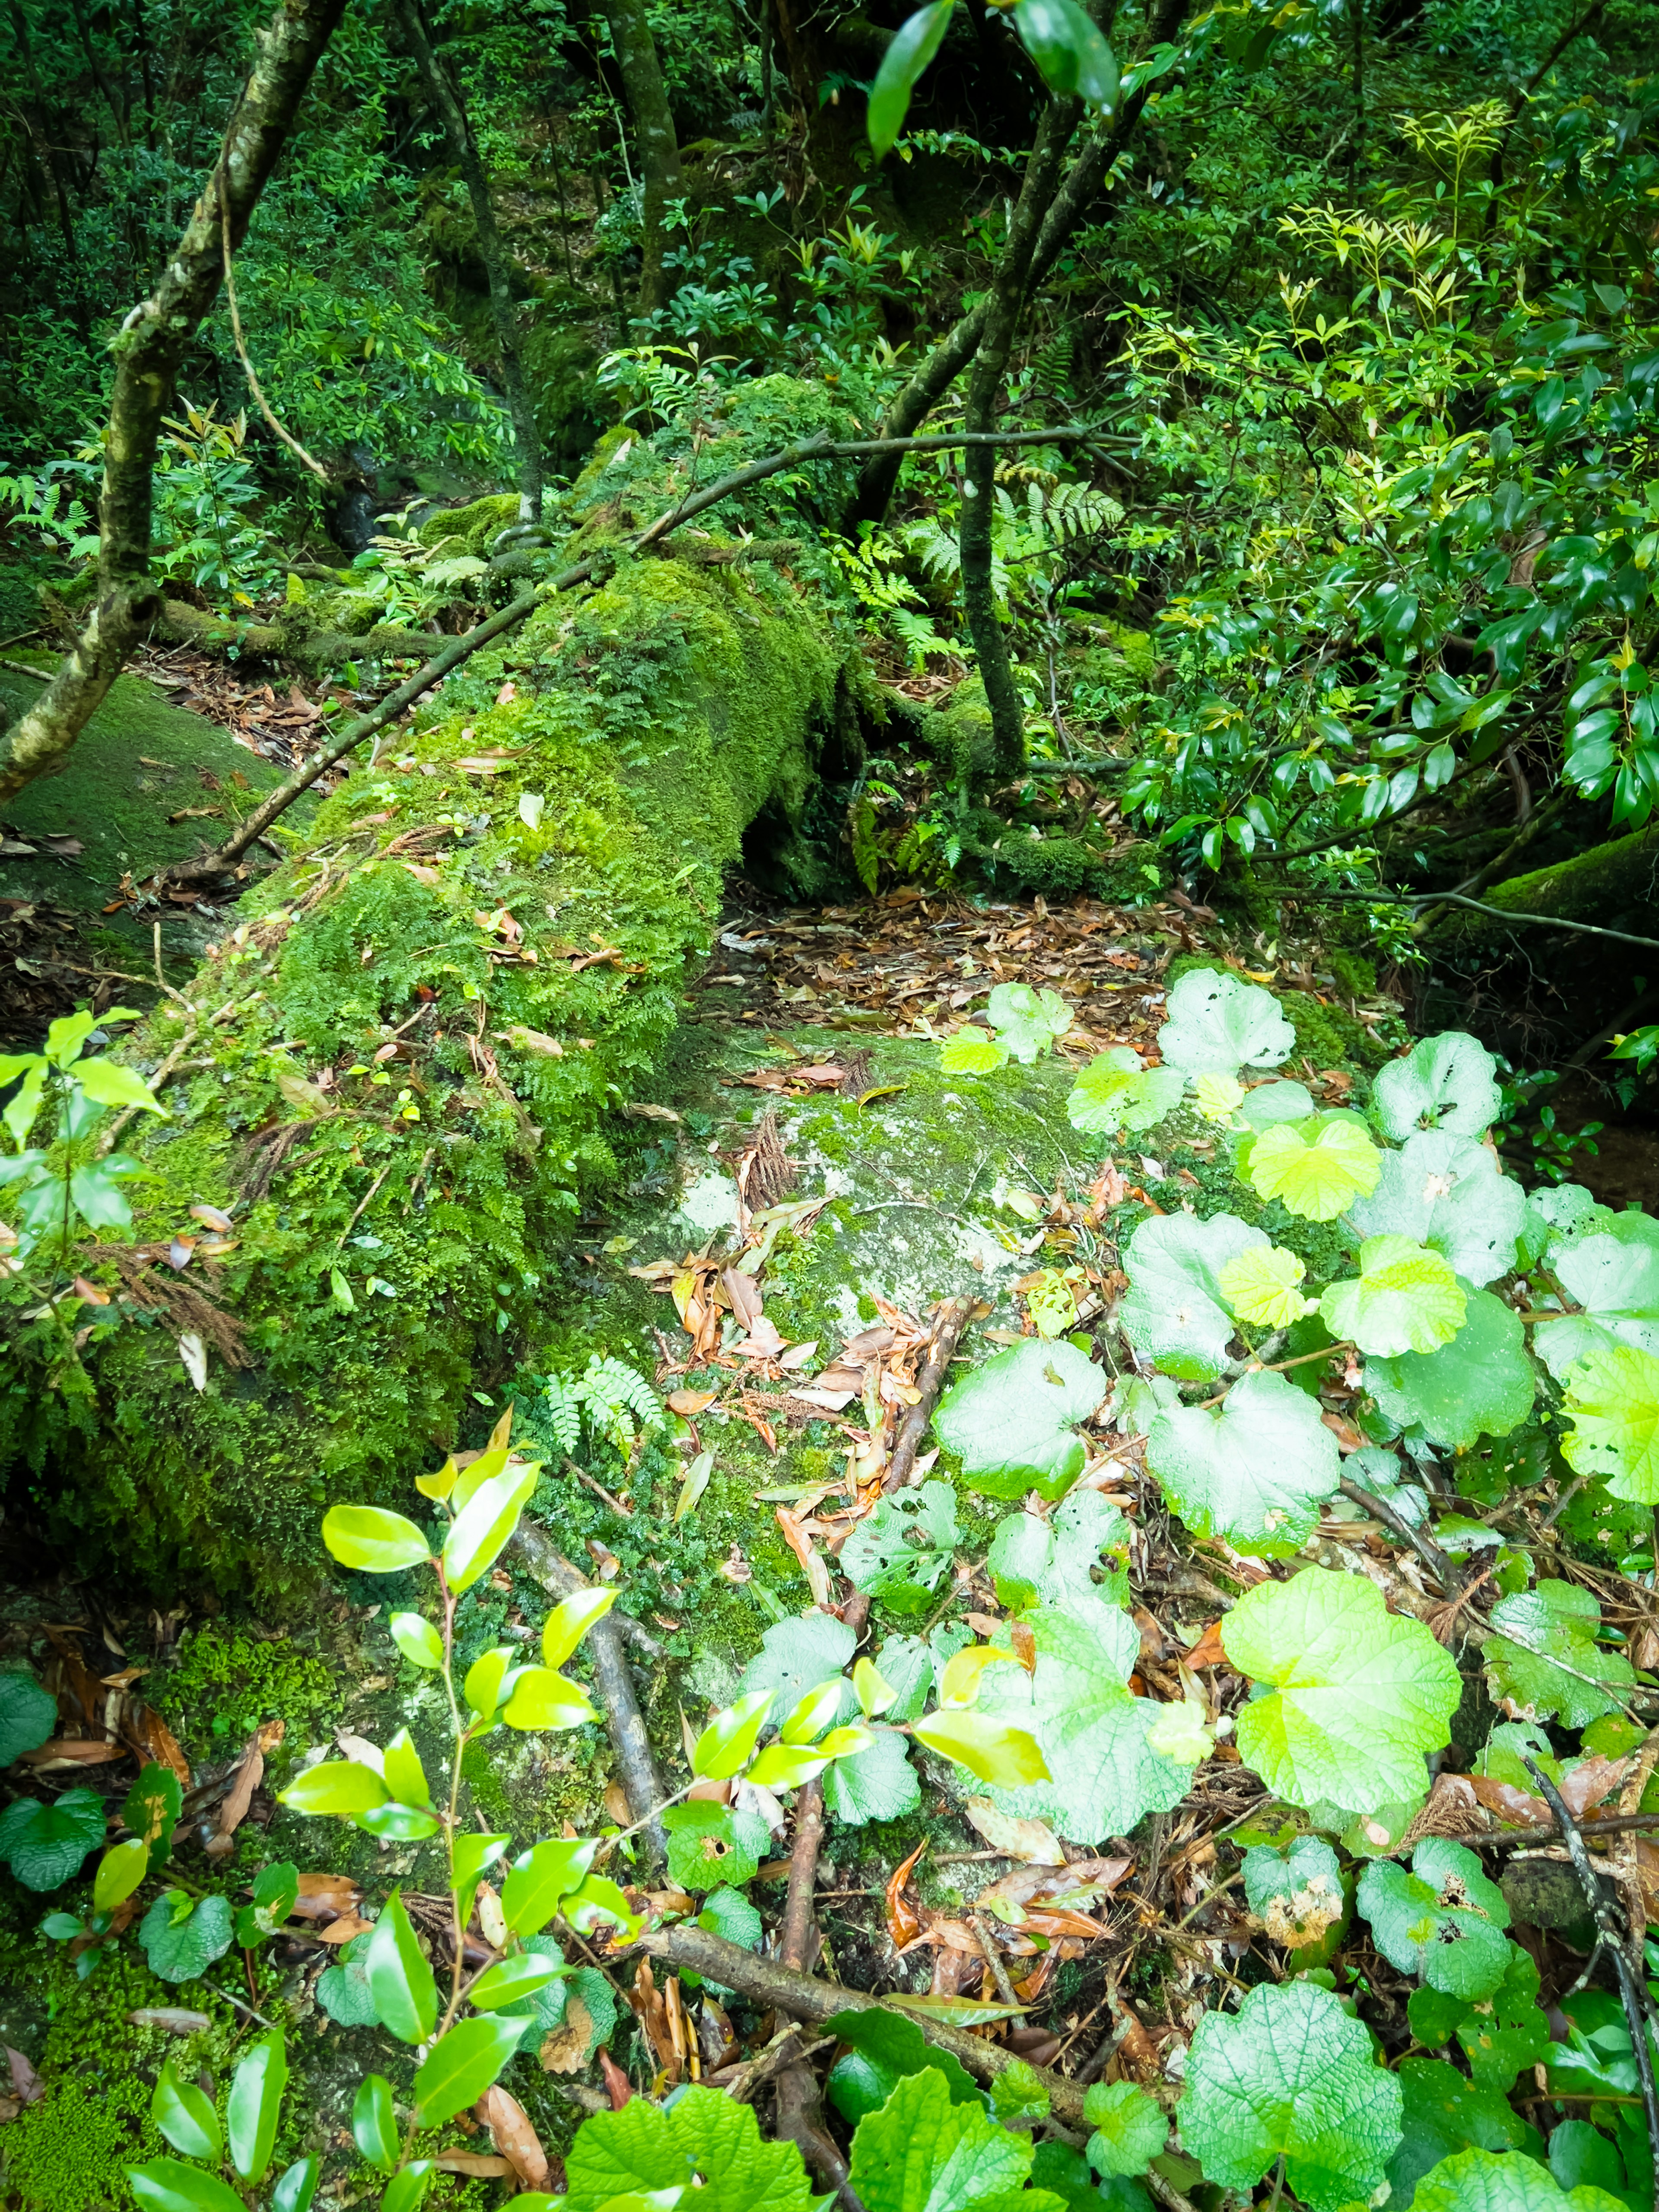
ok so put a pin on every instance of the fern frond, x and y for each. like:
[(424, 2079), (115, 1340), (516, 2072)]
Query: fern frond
[(563, 1414)]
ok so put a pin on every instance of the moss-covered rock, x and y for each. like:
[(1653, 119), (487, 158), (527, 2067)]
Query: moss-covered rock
[(404, 1062), (471, 529)]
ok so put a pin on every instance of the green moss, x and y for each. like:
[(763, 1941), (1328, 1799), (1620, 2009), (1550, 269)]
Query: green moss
[(654, 721), (136, 763), (471, 529), (1330, 1038), (222, 1683)]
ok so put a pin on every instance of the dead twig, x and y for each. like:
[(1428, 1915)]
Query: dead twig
[(948, 1321), (1608, 1937)]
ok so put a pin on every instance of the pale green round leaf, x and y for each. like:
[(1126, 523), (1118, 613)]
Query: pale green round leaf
[(1315, 1169), (1360, 1697), (1114, 1093), (1446, 1192), (45, 1844), (1446, 1083), (1506, 2181), (969, 1052), (182, 1937), (1482, 1383), (1613, 1401), (1260, 1286), (1129, 2129), (1290, 2074), (1531, 1630), (1254, 1469), (28, 1715), (1091, 1731), (1012, 1420), (1404, 1299), (373, 1541), (1175, 1310), (1216, 1023)]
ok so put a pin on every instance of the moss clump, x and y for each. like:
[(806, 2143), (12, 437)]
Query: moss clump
[(1329, 1037), (471, 529), (223, 1683), (519, 939)]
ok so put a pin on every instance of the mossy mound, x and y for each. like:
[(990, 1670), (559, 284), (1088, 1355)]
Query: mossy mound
[(434, 1010), (137, 763), (471, 529)]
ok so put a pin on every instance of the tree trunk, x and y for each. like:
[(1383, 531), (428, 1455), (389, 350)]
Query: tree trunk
[(953, 352), (1615, 886), (148, 352), (653, 132), (985, 391), (463, 153), (499, 928)]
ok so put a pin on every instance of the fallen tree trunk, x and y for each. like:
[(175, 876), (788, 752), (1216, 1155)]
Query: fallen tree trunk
[(1614, 883), (293, 638), (397, 1071)]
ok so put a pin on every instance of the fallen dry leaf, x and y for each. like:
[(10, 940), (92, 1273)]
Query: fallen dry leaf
[(324, 1896), (172, 2018), (342, 1930), (477, 2164), (565, 2050), (617, 2085), (688, 1404), (515, 2138), (903, 1922), (24, 2080), (1032, 1841)]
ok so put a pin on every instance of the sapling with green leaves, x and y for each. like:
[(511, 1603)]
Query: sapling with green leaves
[(59, 1192)]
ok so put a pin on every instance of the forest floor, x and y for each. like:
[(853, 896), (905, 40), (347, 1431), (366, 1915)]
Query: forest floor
[(803, 1131)]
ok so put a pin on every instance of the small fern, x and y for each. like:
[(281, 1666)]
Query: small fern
[(563, 1414), (866, 850)]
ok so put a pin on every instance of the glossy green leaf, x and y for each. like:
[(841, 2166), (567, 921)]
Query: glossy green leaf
[(462, 2065), (912, 46), (995, 1750), (570, 1620), (539, 1881), (185, 2116), (725, 1746), (151, 1809), (482, 1686), (518, 1976), (400, 1980), (398, 1824), (254, 2106), (418, 1639), (408, 2185), (881, 2048), (373, 1541), (373, 2122), (403, 1773), (479, 1533), (338, 1785), (785, 1765), (472, 1859), (120, 1870), (295, 2186), (107, 1083), (541, 1698), (168, 2184)]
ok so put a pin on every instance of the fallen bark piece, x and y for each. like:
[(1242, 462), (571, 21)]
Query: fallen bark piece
[(765, 1982)]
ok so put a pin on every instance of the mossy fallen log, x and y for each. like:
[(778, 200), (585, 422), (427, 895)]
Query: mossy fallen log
[(399, 1070), (1614, 885)]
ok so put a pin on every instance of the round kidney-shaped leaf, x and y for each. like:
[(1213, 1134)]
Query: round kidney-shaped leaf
[(1254, 1468), (1014, 1419), (1446, 1082), (1217, 1023), (1360, 1697)]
